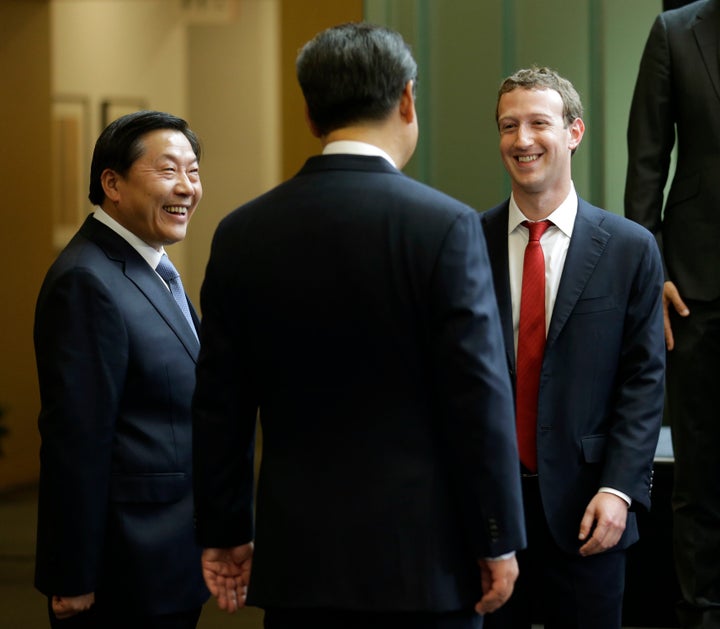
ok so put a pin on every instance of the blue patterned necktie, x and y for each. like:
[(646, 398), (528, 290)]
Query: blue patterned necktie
[(169, 273)]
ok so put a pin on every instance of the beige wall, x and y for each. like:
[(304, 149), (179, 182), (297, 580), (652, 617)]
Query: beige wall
[(25, 235), (234, 104), (121, 51), (227, 75)]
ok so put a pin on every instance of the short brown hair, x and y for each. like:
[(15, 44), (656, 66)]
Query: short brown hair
[(536, 78)]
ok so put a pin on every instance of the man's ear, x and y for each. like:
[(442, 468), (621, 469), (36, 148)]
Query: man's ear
[(110, 180), (311, 125), (407, 104), (577, 130)]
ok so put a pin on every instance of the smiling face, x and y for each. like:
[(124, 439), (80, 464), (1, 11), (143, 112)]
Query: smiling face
[(536, 147), (159, 193)]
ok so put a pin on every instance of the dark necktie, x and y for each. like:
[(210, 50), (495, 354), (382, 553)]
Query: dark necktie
[(531, 345), (169, 273)]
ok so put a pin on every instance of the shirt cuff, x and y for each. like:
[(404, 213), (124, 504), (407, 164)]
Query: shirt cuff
[(501, 557), (615, 492)]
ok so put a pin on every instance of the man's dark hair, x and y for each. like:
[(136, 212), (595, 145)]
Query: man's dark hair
[(353, 72), (120, 144)]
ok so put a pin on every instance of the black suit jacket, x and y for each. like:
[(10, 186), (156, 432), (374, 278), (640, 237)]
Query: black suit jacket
[(678, 88), (602, 380), (116, 365), (354, 307)]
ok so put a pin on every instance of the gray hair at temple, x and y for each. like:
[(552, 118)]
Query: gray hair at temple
[(542, 78), (354, 72)]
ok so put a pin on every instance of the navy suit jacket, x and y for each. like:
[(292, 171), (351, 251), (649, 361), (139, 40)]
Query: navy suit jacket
[(116, 365), (354, 307), (678, 90), (602, 381)]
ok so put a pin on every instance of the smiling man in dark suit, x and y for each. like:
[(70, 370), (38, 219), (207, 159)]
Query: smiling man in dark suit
[(589, 415), (116, 364), (677, 94), (353, 306)]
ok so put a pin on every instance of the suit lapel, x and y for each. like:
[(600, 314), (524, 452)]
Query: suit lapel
[(707, 35), (496, 236), (587, 246), (138, 271)]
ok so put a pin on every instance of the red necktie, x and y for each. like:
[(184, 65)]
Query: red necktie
[(531, 345)]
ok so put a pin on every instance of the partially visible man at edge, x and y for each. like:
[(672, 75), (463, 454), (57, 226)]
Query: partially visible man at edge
[(675, 104), (354, 308)]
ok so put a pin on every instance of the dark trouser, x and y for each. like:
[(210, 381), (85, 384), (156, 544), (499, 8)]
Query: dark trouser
[(692, 382), (335, 619), (98, 617), (562, 591)]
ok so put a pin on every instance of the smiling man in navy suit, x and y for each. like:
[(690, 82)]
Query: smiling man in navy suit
[(589, 422), (116, 364), (353, 306)]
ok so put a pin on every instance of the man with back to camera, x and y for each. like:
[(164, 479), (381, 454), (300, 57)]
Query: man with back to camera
[(354, 308), (579, 293), (116, 363), (678, 91)]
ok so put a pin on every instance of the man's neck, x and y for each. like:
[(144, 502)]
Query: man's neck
[(537, 206), (378, 136)]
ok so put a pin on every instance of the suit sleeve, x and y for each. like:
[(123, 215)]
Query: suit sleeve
[(224, 418), (651, 133), (477, 410), (80, 343), (638, 406)]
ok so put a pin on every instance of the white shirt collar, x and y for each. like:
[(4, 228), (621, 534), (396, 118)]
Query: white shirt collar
[(150, 254), (353, 147), (563, 217)]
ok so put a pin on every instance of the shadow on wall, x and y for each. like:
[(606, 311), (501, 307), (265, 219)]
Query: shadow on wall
[(3, 429)]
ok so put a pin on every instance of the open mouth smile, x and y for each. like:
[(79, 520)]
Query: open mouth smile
[(178, 210)]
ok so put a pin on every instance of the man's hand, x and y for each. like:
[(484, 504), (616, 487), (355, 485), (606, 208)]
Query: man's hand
[(672, 296), (227, 573), (498, 581), (608, 514), (65, 607)]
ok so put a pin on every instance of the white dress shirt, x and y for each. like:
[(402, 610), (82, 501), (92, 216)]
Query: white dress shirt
[(353, 147), (150, 254), (554, 242)]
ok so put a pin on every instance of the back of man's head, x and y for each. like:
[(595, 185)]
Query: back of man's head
[(353, 73)]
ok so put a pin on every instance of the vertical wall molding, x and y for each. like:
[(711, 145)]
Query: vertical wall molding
[(508, 60), (597, 88), (424, 152)]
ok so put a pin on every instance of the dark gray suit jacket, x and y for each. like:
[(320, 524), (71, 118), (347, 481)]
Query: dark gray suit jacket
[(354, 307), (602, 381), (678, 88), (116, 365)]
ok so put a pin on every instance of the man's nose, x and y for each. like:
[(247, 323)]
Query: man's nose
[(184, 185), (524, 136)]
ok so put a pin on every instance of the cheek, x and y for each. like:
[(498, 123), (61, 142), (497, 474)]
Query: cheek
[(506, 143)]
